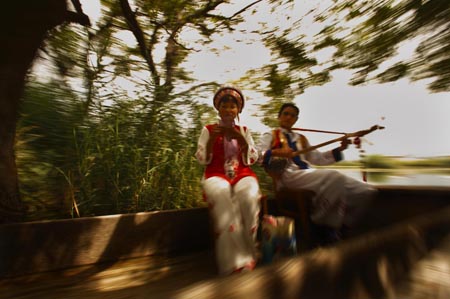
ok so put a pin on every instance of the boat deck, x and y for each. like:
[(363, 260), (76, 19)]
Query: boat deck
[(430, 277), (144, 277), (186, 277), (402, 252)]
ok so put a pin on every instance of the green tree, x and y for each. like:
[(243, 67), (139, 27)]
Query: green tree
[(23, 27), (129, 151), (376, 30), (362, 36)]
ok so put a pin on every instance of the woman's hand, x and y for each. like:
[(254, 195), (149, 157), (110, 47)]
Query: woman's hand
[(234, 133), (344, 144)]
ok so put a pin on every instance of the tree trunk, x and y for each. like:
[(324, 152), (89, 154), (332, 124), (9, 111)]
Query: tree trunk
[(23, 27)]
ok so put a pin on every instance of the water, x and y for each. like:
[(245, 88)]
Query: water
[(402, 178)]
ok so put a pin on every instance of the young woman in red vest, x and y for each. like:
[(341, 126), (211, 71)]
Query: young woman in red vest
[(230, 187)]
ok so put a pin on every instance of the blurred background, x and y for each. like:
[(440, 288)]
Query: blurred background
[(111, 112)]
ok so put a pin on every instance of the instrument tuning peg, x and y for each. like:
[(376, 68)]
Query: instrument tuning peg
[(357, 142)]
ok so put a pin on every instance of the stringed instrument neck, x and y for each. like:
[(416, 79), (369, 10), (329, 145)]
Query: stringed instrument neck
[(276, 166), (345, 136)]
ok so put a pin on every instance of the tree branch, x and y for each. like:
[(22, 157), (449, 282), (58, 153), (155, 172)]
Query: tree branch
[(82, 18), (134, 26)]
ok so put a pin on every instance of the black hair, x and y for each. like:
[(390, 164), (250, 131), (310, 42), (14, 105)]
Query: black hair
[(228, 99), (285, 105)]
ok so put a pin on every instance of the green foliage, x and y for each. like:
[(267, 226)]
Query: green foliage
[(378, 29), (437, 163), (104, 151), (384, 162), (362, 36), (116, 163), (44, 145), (377, 161)]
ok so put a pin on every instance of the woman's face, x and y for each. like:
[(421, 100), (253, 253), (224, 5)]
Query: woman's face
[(228, 110), (287, 117)]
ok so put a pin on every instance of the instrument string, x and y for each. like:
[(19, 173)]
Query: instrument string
[(318, 131)]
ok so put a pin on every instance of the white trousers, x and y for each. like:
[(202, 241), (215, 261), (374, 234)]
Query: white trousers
[(235, 214), (339, 200)]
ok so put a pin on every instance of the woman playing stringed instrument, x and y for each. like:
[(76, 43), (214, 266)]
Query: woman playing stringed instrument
[(287, 156)]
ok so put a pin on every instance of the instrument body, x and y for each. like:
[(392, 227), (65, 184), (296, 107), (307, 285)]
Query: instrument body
[(277, 165)]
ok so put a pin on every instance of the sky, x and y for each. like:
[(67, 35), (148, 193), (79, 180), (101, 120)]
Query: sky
[(416, 122)]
